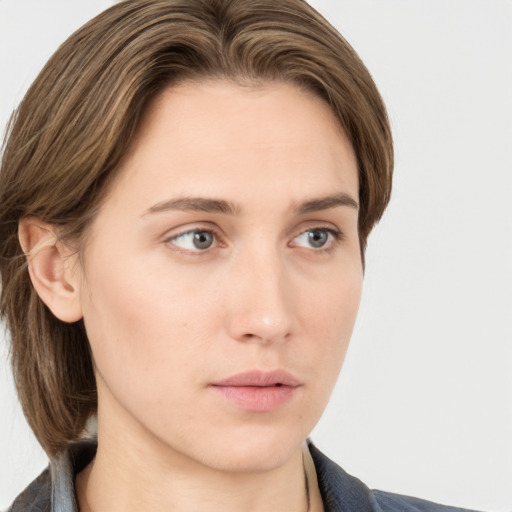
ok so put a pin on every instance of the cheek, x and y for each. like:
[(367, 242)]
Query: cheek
[(331, 316), (332, 307), (144, 349), (150, 324)]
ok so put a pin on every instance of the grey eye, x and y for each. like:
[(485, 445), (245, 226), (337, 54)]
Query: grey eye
[(195, 240), (202, 239), (317, 238), (313, 238)]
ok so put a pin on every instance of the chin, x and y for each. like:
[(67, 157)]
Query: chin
[(250, 459), (253, 449)]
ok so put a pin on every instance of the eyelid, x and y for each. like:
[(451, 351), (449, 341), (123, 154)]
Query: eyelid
[(177, 232), (336, 234)]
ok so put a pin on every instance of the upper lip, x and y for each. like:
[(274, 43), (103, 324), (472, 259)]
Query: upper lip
[(260, 378)]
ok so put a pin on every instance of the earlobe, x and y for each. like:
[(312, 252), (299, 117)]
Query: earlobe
[(52, 268)]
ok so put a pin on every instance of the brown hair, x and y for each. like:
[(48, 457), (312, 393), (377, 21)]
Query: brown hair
[(79, 116)]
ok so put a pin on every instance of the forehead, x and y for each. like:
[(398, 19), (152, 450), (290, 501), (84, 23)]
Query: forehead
[(218, 138)]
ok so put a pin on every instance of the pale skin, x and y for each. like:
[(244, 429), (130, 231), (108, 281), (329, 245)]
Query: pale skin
[(228, 243)]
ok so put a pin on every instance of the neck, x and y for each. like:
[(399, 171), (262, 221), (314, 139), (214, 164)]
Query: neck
[(130, 476)]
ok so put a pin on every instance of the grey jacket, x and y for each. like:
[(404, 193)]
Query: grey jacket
[(54, 491)]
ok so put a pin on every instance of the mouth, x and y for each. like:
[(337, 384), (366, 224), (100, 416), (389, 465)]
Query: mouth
[(258, 391)]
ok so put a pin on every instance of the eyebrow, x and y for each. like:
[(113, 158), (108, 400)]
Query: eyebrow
[(325, 203), (202, 204), (198, 204)]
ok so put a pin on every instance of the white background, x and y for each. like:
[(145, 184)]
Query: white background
[(424, 404)]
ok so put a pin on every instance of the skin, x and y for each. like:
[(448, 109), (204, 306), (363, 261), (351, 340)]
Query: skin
[(165, 319)]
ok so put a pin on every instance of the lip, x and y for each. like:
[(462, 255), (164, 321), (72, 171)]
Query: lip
[(258, 391)]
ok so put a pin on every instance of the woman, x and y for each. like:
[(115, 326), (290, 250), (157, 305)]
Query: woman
[(186, 194)]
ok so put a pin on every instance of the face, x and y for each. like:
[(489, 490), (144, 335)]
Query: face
[(221, 278)]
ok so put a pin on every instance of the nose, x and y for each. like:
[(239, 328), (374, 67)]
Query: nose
[(260, 304)]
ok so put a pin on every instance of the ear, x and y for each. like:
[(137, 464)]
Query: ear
[(52, 267)]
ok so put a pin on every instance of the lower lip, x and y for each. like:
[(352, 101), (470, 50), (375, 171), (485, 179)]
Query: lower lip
[(257, 399)]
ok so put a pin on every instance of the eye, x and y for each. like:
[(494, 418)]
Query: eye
[(194, 240), (317, 238)]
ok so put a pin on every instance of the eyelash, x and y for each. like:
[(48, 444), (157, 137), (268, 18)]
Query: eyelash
[(216, 236), (336, 238)]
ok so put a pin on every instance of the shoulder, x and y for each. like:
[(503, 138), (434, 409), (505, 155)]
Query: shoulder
[(54, 488), (342, 492), (36, 497), (390, 502)]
